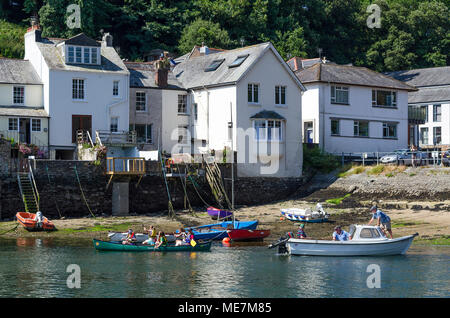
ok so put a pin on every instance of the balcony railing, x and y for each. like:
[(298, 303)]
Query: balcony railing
[(416, 115), (125, 166), (123, 138)]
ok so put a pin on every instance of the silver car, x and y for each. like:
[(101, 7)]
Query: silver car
[(393, 157)]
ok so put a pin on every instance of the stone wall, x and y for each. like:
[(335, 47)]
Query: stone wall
[(5, 154), (60, 193)]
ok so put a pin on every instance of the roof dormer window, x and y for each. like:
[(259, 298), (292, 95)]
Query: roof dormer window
[(214, 65), (82, 55), (238, 61)]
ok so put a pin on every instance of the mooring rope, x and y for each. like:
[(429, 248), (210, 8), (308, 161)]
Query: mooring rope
[(10, 230), (54, 188), (82, 192)]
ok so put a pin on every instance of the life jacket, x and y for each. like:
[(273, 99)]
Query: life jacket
[(163, 240)]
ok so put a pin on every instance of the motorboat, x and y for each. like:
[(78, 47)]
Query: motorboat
[(35, 221), (306, 215), (366, 241)]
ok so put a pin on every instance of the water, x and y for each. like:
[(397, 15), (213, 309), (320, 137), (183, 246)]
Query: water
[(37, 268)]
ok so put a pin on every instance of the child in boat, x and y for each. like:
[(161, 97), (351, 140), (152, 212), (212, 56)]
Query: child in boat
[(151, 235), (301, 232), (161, 240), (181, 237), (131, 237)]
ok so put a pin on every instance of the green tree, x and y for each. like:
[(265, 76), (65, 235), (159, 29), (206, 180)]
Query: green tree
[(291, 43), (11, 40)]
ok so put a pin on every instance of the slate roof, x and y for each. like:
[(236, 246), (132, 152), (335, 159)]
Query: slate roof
[(349, 75), (110, 60), (267, 114), (433, 84), (142, 74), (82, 40), (191, 72), (15, 71), (19, 111)]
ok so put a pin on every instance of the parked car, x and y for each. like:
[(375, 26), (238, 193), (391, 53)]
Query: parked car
[(407, 158), (446, 158), (393, 157)]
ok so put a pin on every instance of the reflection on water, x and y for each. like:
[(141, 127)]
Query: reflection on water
[(37, 268)]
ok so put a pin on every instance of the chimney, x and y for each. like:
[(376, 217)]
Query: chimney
[(107, 40), (162, 73), (34, 20), (204, 50)]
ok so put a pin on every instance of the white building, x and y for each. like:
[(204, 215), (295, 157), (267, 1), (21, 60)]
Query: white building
[(433, 98), (352, 109), (86, 87), (246, 99)]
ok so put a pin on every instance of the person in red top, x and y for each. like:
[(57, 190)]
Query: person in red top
[(131, 237)]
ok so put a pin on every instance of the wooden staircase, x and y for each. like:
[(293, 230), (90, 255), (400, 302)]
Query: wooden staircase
[(28, 190)]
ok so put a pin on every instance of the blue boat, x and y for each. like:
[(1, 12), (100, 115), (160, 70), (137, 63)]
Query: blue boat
[(218, 231)]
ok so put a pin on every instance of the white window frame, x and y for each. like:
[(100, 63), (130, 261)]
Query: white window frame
[(436, 113), (116, 89), (76, 90), (386, 126), (333, 94), (16, 119), (280, 90), (252, 101), (91, 52), (116, 124), (357, 123), (183, 134), (422, 130), (265, 130), (182, 101), (68, 59), (96, 50), (375, 98), (434, 135), (22, 88), (338, 127), (145, 101), (36, 120)]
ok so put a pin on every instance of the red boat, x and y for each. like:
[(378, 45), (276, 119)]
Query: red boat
[(247, 235), (30, 222)]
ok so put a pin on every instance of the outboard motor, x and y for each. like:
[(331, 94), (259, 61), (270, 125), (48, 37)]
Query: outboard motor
[(281, 243)]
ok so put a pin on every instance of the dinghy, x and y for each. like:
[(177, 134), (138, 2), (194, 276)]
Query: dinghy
[(306, 215), (247, 235), (218, 214), (218, 231), (140, 237), (116, 246), (366, 241), (35, 221)]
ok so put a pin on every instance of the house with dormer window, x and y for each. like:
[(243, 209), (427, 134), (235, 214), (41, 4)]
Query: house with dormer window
[(85, 88)]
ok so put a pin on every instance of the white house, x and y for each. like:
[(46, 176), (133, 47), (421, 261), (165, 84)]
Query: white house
[(352, 109), (246, 99), (85, 87), (22, 114), (433, 98)]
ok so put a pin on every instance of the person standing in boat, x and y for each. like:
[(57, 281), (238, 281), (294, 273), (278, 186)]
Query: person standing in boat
[(383, 220), (301, 232), (340, 235), (131, 237)]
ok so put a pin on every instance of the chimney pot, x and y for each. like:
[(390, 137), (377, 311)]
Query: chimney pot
[(107, 39)]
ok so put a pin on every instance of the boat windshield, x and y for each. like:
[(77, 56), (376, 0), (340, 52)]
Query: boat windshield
[(352, 230)]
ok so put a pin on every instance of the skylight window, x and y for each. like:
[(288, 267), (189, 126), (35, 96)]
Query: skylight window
[(238, 61), (214, 65)]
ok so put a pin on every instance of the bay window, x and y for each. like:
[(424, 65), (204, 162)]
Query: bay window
[(268, 130)]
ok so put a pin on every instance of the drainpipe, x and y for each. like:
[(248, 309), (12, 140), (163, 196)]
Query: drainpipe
[(207, 115)]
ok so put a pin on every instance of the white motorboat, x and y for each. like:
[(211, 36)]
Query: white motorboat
[(306, 215), (366, 241), (140, 237)]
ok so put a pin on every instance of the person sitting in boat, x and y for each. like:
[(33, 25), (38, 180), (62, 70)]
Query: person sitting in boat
[(151, 235), (131, 237), (383, 220), (301, 232), (161, 240), (340, 235), (181, 238)]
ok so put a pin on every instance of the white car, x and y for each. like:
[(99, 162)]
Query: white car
[(393, 157)]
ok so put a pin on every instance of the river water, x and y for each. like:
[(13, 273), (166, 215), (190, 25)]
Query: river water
[(38, 268)]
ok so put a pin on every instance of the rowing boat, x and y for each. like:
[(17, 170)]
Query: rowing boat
[(218, 231), (31, 222), (218, 214), (140, 237), (247, 235), (115, 246)]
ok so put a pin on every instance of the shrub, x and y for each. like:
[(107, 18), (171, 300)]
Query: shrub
[(318, 160)]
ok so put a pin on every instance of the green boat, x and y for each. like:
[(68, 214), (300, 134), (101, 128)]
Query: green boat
[(113, 246)]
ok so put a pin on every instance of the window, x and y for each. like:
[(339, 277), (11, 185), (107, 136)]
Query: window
[(280, 95), (182, 134), (384, 98), (339, 95), (436, 113), (116, 88), (426, 112), (71, 54), (389, 130), (253, 93), (144, 133), (437, 137), (141, 101), (214, 65), (78, 54), (114, 126), (35, 125), (86, 55), (182, 101), (361, 128), (13, 124), (18, 95), (369, 233), (195, 111), (238, 61), (94, 55), (335, 127), (78, 89), (268, 130), (424, 136)]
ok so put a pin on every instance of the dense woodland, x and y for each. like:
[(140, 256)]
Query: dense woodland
[(413, 34)]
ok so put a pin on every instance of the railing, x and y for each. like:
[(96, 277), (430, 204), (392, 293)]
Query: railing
[(84, 136), (33, 182), (113, 138), (125, 165), (416, 114)]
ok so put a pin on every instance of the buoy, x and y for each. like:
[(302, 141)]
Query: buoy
[(226, 240), (281, 218)]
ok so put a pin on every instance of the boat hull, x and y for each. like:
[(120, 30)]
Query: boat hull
[(380, 247), (218, 231), (303, 217), (140, 237), (113, 246), (219, 214), (27, 221), (248, 235)]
